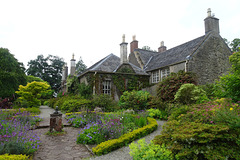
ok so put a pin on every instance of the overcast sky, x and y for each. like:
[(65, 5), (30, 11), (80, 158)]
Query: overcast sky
[(92, 29)]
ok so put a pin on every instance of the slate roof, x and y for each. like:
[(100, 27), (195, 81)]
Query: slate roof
[(171, 56), (110, 64)]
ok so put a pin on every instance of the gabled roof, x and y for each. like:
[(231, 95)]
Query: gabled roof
[(110, 64), (172, 56), (145, 55)]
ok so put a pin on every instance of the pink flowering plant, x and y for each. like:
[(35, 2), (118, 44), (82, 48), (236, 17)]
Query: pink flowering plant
[(15, 134)]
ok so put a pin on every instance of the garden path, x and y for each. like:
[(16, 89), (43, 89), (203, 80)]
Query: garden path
[(62, 147)]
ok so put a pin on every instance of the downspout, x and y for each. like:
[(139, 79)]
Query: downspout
[(186, 63)]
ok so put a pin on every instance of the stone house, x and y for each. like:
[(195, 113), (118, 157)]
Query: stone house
[(207, 56)]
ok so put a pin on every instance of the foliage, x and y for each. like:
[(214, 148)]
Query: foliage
[(148, 48), (235, 44), (157, 114), (125, 139), (84, 90), (14, 157), (48, 69), (5, 103), (80, 66), (235, 61), (136, 100), (104, 101), (32, 78), (209, 89), (142, 150), (56, 133), (203, 131), (168, 87), (189, 93), (73, 105), (228, 85), (11, 73), (15, 134), (32, 92)]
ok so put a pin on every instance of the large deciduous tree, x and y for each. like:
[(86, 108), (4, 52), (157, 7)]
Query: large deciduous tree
[(235, 44), (11, 73), (48, 69)]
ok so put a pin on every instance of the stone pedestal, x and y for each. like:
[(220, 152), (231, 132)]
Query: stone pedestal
[(56, 122)]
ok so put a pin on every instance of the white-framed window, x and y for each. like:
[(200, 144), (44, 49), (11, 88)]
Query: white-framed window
[(106, 87), (155, 76), (165, 72)]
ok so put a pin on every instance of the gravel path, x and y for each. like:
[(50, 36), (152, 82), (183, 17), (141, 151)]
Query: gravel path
[(123, 153)]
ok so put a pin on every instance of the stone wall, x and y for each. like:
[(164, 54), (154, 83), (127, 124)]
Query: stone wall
[(211, 60), (152, 90), (177, 67)]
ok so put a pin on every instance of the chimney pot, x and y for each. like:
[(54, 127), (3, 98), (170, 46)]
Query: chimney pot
[(211, 23), (162, 48), (133, 44)]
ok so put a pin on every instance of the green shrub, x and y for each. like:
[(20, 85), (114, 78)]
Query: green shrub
[(209, 90), (157, 114), (142, 150), (32, 92), (136, 100), (14, 157), (84, 90), (189, 94), (168, 87), (73, 105), (193, 140), (52, 101), (105, 102)]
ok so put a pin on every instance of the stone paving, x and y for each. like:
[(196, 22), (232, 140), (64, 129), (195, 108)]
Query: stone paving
[(62, 147)]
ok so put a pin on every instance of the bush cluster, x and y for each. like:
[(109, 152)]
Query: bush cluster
[(203, 131), (189, 94), (136, 100), (168, 87), (142, 150)]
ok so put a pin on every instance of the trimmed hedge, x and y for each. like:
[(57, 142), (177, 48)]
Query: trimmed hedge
[(110, 145), (14, 157)]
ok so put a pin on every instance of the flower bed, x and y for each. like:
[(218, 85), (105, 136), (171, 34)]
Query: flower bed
[(110, 145), (115, 130), (14, 157), (15, 134)]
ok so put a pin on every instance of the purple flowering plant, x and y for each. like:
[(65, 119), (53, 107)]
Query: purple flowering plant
[(103, 127), (16, 136)]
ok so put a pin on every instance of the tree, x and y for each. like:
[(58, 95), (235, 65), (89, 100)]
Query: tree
[(32, 78), (48, 69), (229, 85), (80, 66), (11, 73), (32, 92), (235, 44)]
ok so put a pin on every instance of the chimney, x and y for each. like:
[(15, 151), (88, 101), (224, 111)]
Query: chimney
[(123, 50), (133, 44), (162, 48), (73, 66), (211, 23), (63, 73)]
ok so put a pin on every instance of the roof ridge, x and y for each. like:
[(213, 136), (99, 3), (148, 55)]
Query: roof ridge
[(101, 61)]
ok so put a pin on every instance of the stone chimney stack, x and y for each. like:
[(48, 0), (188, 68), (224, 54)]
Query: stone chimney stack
[(63, 73), (133, 44), (66, 71), (162, 48), (123, 50), (73, 66), (211, 23)]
